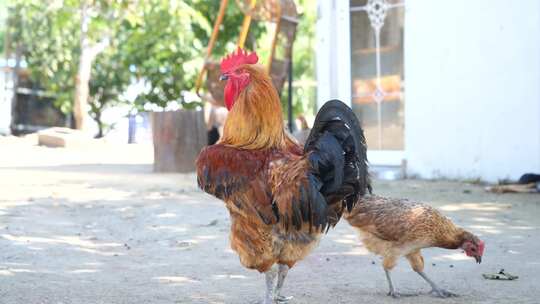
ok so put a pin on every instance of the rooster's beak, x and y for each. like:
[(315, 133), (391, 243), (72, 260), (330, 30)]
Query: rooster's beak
[(223, 77), (478, 259)]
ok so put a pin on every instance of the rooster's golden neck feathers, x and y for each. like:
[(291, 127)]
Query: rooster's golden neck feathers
[(255, 120)]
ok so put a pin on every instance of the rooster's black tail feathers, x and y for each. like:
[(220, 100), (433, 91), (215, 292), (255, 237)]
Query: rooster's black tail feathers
[(337, 148)]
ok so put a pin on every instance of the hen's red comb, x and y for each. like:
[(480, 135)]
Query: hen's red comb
[(232, 61), (481, 246)]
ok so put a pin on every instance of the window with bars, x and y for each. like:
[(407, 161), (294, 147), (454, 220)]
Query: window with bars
[(377, 70)]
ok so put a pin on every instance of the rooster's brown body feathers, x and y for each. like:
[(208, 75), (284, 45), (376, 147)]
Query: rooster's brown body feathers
[(253, 186)]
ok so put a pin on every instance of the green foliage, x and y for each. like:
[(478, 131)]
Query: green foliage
[(167, 42), (304, 59), (304, 85), (159, 42), (49, 34), (109, 80), (229, 30), (3, 13), (48, 37), (161, 48)]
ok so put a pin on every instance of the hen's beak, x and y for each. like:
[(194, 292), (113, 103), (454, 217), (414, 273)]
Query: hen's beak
[(223, 77), (478, 259)]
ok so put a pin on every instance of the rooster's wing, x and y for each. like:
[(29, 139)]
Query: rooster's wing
[(239, 177)]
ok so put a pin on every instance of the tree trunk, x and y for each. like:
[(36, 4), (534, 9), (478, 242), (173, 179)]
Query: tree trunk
[(80, 106), (178, 137), (80, 103), (16, 69), (100, 125), (89, 52)]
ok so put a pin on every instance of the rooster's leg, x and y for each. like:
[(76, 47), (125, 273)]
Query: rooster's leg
[(270, 276), (282, 273), (435, 290), (392, 292)]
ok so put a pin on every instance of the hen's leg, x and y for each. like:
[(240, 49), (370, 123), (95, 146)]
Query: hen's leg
[(435, 290), (388, 263), (417, 263), (270, 276), (282, 273), (392, 292)]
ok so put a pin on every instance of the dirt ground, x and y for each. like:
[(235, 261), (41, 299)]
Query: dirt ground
[(95, 225)]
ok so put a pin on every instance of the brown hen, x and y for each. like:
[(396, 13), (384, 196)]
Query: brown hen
[(393, 228)]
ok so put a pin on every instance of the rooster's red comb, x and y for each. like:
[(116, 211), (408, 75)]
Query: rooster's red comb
[(232, 61)]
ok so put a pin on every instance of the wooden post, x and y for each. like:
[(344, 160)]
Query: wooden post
[(178, 137), (289, 98)]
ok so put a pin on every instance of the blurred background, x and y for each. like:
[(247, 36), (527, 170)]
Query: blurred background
[(106, 68), (443, 91)]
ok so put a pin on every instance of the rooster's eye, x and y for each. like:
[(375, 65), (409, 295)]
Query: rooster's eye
[(223, 77)]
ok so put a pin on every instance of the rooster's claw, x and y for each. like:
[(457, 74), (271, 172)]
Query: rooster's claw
[(282, 299)]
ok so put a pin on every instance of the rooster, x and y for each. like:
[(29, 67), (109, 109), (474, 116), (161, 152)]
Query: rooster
[(281, 197), (393, 228)]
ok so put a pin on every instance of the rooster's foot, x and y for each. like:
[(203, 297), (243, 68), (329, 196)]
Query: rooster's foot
[(266, 301), (441, 293), (282, 299)]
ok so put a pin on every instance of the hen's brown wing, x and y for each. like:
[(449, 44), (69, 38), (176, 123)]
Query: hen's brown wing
[(392, 219)]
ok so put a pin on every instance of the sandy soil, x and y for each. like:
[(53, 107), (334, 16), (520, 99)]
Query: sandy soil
[(97, 226)]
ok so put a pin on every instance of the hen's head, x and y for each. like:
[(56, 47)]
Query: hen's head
[(236, 71), (473, 247)]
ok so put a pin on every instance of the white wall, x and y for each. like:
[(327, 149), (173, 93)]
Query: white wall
[(472, 85)]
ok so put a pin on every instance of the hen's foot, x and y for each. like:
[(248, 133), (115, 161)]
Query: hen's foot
[(398, 295), (441, 293), (394, 294)]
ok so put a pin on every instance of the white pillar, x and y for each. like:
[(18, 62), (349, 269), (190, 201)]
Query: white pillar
[(333, 51)]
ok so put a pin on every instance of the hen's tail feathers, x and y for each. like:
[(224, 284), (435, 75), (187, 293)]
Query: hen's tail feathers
[(337, 148)]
